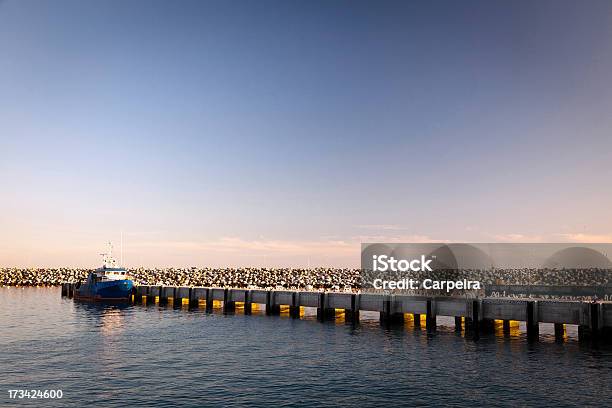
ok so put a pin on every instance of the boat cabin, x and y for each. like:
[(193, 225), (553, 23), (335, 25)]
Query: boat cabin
[(103, 274), (109, 270)]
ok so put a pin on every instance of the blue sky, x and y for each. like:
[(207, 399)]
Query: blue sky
[(286, 132)]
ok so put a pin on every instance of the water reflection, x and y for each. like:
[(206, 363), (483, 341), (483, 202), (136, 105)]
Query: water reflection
[(110, 318), (163, 355)]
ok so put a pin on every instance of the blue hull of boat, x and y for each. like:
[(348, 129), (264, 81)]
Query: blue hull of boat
[(116, 290)]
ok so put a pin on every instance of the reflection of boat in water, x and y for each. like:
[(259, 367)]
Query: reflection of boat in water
[(108, 283)]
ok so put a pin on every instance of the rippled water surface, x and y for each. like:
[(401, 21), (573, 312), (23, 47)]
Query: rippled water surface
[(162, 356)]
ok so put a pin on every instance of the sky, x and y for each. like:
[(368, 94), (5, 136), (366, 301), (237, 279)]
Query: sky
[(285, 133)]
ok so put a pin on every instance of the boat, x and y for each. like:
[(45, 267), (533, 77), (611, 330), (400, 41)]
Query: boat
[(108, 283)]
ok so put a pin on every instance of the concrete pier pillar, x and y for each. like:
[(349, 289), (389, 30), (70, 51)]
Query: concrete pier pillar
[(596, 320), (228, 305), (469, 325), (163, 299), (248, 304), (209, 301), (330, 313), (63, 289), (533, 325), (271, 308), (430, 320), (559, 331), (348, 315), (387, 317), (248, 308), (294, 312), (584, 333), (156, 294), (472, 323), (323, 312), (458, 323), (417, 320), (193, 300), (321, 307), (352, 315), (385, 313), (176, 300), (487, 326), (591, 331), (506, 327), (294, 308), (137, 295)]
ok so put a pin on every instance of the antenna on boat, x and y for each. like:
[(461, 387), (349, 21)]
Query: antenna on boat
[(107, 258), (121, 256)]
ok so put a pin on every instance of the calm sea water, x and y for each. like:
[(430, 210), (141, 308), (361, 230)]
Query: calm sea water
[(162, 356)]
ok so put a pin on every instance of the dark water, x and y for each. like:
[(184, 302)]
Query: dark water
[(161, 356)]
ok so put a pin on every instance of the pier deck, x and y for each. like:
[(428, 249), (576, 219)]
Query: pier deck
[(474, 315)]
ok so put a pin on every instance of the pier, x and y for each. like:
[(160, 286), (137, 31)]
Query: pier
[(472, 315)]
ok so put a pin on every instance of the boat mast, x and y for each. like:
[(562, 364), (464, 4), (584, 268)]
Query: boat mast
[(121, 256), (107, 258)]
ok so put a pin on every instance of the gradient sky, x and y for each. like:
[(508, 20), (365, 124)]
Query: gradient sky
[(287, 132)]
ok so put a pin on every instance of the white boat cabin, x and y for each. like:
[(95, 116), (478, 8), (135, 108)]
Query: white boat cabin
[(110, 270), (104, 274)]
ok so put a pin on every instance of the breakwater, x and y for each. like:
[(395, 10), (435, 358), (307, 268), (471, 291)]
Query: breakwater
[(335, 279), (295, 278), (473, 315)]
